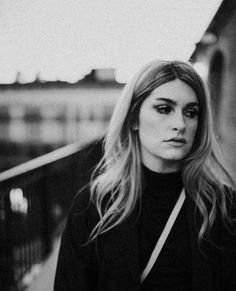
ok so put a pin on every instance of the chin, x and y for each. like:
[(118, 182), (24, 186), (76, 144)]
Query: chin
[(175, 156)]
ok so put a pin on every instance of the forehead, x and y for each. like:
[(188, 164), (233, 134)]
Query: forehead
[(175, 90)]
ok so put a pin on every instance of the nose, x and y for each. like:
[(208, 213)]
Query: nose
[(179, 122)]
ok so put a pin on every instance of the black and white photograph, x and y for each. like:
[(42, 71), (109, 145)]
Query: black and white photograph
[(118, 145)]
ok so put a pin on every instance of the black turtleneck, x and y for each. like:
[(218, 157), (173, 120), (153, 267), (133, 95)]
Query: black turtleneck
[(172, 270)]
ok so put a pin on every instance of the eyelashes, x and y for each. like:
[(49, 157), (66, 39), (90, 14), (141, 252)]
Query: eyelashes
[(163, 109), (167, 109), (191, 113)]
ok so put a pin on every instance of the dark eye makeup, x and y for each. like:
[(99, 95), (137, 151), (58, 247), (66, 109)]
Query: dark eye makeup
[(190, 112), (163, 109)]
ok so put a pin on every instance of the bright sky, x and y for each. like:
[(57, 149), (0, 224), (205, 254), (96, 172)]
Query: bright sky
[(65, 39)]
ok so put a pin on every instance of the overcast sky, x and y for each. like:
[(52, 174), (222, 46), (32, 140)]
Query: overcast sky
[(65, 39)]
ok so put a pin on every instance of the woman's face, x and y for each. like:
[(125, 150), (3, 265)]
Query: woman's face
[(168, 122)]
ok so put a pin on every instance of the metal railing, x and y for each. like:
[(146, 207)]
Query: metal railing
[(34, 200)]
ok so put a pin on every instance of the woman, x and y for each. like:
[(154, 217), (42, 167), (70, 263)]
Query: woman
[(160, 142)]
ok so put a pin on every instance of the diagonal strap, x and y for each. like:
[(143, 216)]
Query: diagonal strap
[(164, 235)]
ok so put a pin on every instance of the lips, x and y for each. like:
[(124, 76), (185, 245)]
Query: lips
[(177, 140)]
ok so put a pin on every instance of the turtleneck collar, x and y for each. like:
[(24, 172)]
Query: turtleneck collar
[(166, 180)]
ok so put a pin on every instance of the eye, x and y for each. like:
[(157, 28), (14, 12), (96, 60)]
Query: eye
[(191, 113), (163, 109)]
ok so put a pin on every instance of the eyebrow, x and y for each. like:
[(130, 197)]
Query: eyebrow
[(172, 102)]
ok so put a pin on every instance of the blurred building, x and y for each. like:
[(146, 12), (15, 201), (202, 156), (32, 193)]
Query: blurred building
[(38, 117), (215, 57)]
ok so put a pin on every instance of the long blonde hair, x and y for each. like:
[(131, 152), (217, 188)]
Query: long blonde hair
[(116, 183)]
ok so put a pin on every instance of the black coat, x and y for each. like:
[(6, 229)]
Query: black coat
[(113, 262)]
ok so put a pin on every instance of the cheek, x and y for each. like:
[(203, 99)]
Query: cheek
[(193, 130), (148, 125), (144, 122), (145, 130)]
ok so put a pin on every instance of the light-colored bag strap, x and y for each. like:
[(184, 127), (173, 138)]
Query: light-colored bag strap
[(164, 235)]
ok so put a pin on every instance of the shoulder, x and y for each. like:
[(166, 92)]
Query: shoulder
[(81, 218), (225, 206), (75, 249), (230, 200), (83, 208), (81, 201), (227, 214)]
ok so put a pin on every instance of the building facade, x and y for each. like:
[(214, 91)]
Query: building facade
[(38, 117), (216, 56)]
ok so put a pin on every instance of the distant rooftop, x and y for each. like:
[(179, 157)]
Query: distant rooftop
[(97, 77)]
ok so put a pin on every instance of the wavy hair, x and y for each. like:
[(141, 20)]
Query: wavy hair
[(116, 184)]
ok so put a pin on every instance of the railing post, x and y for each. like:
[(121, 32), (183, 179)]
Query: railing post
[(7, 279), (34, 198), (47, 215)]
